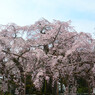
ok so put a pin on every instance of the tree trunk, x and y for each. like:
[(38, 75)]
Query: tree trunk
[(49, 86), (24, 84), (55, 90), (61, 85)]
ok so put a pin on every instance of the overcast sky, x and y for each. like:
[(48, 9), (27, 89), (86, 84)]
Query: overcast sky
[(26, 12)]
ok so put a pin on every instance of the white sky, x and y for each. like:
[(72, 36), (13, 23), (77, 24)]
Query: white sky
[(26, 12)]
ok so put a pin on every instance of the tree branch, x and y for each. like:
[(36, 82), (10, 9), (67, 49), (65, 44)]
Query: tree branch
[(13, 54), (56, 36)]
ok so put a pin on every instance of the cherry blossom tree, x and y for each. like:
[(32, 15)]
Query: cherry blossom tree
[(51, 51)]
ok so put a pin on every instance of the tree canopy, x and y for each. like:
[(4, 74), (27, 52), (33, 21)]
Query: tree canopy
[(45, 50)]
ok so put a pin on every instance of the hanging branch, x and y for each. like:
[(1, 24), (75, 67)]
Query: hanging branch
[(13, 54), (56, 36)]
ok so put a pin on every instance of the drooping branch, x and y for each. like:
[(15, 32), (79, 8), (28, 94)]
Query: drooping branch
[(46, 47), (56, 36), (13, 54)]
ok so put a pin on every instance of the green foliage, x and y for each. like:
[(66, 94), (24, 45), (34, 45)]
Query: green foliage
[(7, 93), (83, 87), (83, 90)]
